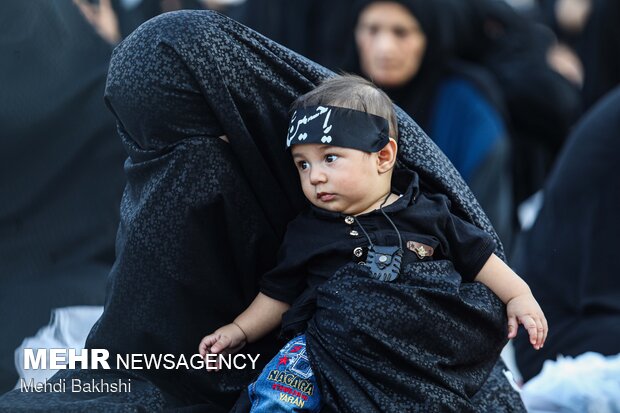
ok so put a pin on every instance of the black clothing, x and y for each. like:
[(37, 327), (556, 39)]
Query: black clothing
[(417, 95), (597, 45), (514, 50), (130, 15), (317, 29), (421, 98), (61, 169), (319, 242), (599, 50), (444, 32), (201, 220), (569, 257), (129, 18), (422, 343)]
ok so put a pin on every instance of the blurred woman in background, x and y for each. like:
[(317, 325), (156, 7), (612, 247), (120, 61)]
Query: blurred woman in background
[(402, 46)]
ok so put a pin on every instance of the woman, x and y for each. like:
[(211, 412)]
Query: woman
[(401, 47), (201, 217), (590, 28)]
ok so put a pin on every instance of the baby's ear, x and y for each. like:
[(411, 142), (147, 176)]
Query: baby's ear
[(386, 157)]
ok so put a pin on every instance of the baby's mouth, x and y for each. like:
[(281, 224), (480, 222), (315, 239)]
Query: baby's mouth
[(325, 197)]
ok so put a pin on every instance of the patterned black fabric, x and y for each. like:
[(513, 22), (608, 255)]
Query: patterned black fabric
[(201, 219), (423, 343)]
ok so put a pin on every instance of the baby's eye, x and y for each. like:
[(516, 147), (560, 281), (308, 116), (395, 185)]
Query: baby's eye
[(302, 165), (330, 158)]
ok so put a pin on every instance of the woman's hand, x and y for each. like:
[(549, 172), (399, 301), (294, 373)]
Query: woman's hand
[(524, 309)]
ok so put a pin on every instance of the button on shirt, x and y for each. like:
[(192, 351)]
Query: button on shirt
[(319, 242)]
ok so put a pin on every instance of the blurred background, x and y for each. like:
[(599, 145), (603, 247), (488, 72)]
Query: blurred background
[(521, 95)]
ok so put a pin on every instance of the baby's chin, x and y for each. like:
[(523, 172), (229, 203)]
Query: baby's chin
[(336, 207), (333, 206)]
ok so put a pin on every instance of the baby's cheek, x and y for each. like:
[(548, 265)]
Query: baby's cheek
[(309, 193)]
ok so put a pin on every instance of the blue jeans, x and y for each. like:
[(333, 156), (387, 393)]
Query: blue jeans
[(287, 383)]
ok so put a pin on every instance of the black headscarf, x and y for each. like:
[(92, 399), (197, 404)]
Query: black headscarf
[(415, 96), (597, 44), (514, 49)]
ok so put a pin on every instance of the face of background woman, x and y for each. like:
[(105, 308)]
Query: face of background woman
[(390, 43)]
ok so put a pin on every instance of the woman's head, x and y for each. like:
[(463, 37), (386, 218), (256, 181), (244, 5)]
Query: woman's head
[(391, 43)]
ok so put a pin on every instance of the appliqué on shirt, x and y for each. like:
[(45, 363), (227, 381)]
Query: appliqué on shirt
[(421, 250), (384, 262)]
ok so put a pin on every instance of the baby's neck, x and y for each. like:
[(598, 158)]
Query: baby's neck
[(384, 201)]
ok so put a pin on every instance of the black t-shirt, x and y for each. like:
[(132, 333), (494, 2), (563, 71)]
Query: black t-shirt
[(318, 242)]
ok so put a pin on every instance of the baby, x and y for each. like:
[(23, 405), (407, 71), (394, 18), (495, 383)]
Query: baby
[(343, 140)]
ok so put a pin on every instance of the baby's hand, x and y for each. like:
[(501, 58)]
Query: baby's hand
[(525, 310), (225, 340)]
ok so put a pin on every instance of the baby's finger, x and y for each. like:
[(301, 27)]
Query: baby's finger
[(222, 343), (512, 326), (530, 325), (207, 342), (540, 333), (546, 327)]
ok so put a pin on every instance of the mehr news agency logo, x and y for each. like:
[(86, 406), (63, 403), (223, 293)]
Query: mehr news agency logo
[(94, 359)]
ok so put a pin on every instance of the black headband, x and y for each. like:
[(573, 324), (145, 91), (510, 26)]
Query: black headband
[(337, 126)]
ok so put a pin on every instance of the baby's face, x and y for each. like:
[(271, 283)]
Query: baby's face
[(339, 179)]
